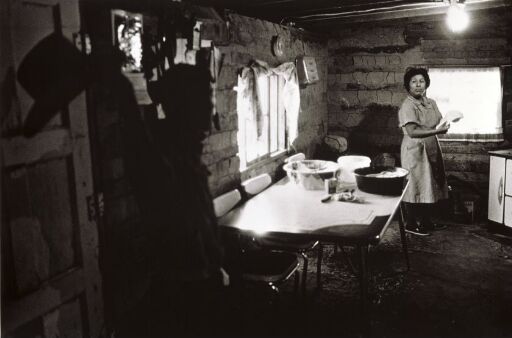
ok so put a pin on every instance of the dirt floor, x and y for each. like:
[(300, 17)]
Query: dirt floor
[(459, 285)]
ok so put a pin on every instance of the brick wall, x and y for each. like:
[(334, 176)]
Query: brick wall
[(365, 82), (247, 39)]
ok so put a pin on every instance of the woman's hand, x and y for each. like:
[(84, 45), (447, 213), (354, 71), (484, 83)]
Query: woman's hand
[(443, 128), (415, 131)]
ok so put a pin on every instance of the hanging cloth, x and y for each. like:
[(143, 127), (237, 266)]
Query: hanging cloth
[(251, 94), (251, 91), (291, 98)]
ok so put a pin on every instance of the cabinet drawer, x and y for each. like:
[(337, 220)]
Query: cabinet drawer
[(508, 211), (496, 189), (508, 178)]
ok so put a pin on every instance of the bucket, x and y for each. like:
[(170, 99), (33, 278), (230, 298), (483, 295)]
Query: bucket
[(350, 163)]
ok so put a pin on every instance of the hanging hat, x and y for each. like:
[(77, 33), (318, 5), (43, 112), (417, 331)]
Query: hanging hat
[(53, 73)]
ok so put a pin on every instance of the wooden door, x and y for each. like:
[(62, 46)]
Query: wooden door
[(51, 283)]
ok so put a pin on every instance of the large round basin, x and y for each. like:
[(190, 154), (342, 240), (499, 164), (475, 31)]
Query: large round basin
[(310, 174), (381, 180)]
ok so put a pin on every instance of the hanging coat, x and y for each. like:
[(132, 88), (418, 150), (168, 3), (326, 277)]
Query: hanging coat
[(422, 156), (163, 161)]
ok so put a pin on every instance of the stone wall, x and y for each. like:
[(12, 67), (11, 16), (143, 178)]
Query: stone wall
[(365, 82), (241, 40)]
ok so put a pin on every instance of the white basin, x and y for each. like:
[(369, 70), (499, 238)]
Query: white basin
[(310, 174)]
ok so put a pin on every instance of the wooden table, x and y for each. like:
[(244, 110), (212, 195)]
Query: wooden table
[(288, 210)]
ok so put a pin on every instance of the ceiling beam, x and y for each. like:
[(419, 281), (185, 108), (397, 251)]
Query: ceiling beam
[(399, 12)]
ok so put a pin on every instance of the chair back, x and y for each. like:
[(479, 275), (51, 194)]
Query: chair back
[(255, 185), (225, 202), (296, 157)]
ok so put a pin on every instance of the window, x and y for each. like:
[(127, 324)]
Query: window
[(474, 91), (262, 132), (127, 30)]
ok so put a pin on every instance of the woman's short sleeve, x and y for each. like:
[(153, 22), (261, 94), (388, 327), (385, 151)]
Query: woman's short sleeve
[(407, 114), (436, 109)]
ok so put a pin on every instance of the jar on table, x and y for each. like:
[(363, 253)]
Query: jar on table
[(330, 185)]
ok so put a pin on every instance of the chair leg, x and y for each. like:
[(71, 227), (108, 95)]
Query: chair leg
[(403, 237), (275, 296), (304, 272), (296, 282), (319, 266), (347, 260), (363, 284)]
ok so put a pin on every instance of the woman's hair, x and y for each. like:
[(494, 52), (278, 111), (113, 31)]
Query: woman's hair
[(412, 71)]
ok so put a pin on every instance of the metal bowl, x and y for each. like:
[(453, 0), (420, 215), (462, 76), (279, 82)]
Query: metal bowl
[(381, 180), (310, 174)]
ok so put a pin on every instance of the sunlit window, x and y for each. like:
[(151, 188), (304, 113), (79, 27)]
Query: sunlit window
[(263, 134), (127, 29), (476, 92)]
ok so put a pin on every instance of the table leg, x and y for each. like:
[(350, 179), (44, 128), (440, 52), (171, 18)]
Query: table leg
[(403, 237)]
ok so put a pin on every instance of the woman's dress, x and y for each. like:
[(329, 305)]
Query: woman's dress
[(422, 156)]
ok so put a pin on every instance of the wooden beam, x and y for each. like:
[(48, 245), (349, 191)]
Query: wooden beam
[(403, 12)]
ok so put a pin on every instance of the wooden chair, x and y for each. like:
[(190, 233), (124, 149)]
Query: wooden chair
[(255, 265), (253, 187), (225, 202)]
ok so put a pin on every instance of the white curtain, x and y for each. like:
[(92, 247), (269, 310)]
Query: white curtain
[(291, 98), (475, 92), (249, 93)]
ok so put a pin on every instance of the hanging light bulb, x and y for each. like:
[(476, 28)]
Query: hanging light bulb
[(456, 17)]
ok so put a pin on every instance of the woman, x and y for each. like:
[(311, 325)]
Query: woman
[(420, 152)]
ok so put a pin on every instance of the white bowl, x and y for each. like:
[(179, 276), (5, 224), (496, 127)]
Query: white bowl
[(310, 174)]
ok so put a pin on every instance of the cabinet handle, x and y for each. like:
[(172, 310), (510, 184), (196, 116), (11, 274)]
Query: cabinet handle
[(500, 190)]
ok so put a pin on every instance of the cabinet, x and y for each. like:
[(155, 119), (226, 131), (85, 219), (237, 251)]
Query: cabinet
[(500, 187)]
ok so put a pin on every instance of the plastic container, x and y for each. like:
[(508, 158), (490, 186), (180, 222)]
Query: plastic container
[(330, 185), (349, 163)]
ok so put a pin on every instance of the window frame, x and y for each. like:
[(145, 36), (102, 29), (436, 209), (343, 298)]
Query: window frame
[(274, 101), (473, 137)]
